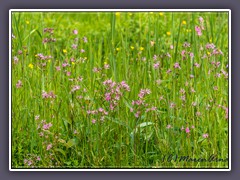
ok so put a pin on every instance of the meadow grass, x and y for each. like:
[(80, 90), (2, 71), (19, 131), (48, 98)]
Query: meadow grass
[(119, 90)]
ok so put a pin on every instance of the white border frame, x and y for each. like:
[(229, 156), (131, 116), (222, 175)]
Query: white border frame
[(118, 10)]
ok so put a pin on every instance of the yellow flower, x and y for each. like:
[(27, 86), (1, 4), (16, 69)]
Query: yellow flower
[(208, 53), (30, 66), (168, 33), (73, 63), (161, 14), (118, 49), (64, 51), (141, 48), (210, 40), (49, 61), (184, 22), (85, 58), (117, 13), (27, 22), (132, 47)]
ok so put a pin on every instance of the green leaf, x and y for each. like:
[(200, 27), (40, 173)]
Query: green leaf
[(71, 143), (29, 34), (60, 150)]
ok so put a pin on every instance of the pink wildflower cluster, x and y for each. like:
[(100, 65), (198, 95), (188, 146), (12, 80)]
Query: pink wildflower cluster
[(139, 105), (100, 113), (40, 56), (75, 88), (176, 66), (143, 92), (47, 40), (225, 74), (48, 95), (48, 30), (199, 29), (43, 125), (46, 126), (114, 91), (31, 160), (210, 46), (156, 65), (50, 33)]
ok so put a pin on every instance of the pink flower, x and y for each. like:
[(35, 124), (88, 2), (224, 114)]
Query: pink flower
[(176, 65), (191, 55), (38, 158), (194, 103), (106, 66), (15, 60), (205, 135), (100, 109), (37, 117), (85, 39), (125, 86), (30, 162), (64, 64), (187, 130), (143, 92), (155, 57), (68, 73), (183, 52), (201, 19), (19, 84), (182, 128), (197, 65), (107, 96), (74, 46), (193, 127), (198, 30), (58, 68), (169, 71), (156, 65), (49, 147), (172, 105), (47, 126), (182, 91), (169, 126), (75, 88), (171, 46), (93, 121), (137, 114), (198, 114), (45, 95), (75, 31)]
